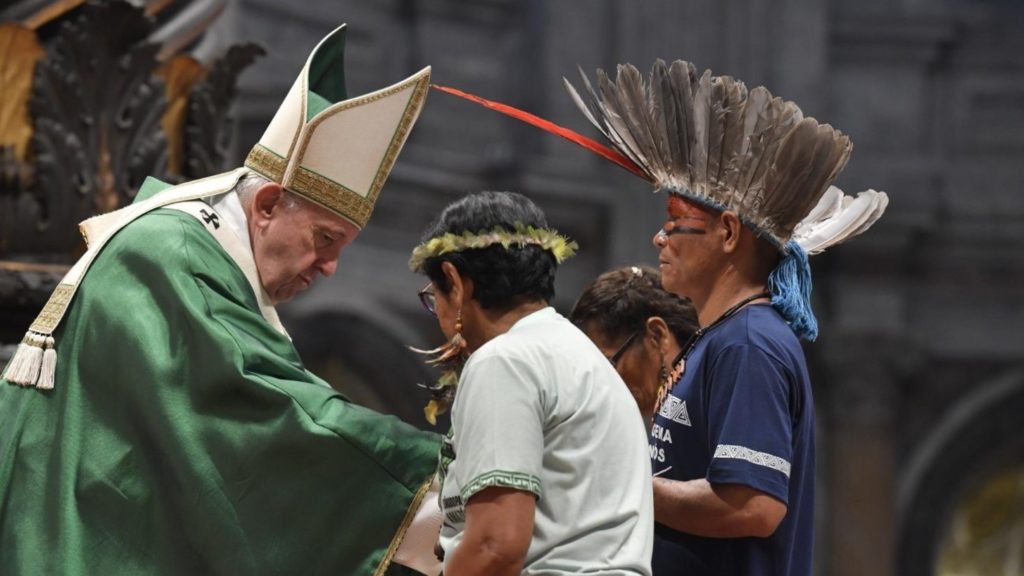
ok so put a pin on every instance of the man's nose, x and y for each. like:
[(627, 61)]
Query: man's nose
[(327, 267), (660, 239)]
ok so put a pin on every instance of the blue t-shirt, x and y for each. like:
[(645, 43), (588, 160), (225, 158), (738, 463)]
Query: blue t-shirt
[(742, 413)]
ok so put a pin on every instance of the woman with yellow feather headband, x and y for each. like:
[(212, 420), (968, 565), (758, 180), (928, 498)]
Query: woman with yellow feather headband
[(545, 469), (747, 178)]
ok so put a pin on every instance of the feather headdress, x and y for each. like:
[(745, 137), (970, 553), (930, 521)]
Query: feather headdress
[(710, 140)]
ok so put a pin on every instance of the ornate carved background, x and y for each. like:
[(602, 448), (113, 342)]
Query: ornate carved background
[(96, 97), (107, 105)]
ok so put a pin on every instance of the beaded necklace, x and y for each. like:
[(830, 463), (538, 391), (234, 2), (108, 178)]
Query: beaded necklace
[(678, 361)]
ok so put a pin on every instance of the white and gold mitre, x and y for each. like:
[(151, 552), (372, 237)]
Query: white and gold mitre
[(335, 150)]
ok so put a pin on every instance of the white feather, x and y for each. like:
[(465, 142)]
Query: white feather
[(881, 203), (855, 216), (830, 203)]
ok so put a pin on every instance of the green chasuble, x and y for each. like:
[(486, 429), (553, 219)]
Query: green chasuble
[(185, 437)]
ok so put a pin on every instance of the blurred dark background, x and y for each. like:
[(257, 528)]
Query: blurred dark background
[(919, 370)]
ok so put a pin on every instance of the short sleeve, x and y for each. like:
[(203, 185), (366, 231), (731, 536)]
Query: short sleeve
[(750, 430), (498, 422)]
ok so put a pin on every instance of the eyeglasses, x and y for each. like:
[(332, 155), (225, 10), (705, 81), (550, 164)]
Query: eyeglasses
[(428, 299), (614, 358)]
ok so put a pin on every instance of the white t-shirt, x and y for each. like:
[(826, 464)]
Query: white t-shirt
[(540, 409)]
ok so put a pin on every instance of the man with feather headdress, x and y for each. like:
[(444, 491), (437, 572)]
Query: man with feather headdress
[(747, 178), (732, 445)]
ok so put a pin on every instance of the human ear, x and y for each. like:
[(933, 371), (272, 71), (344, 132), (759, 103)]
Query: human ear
[(456, 284), (729, 228), (656, 329), (265, 201)]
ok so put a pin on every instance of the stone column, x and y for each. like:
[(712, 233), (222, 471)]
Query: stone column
[(859, 403)]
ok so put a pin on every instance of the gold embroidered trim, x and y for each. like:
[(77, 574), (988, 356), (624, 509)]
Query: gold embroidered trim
[(332, 196), (318, 188), (397, 141), (410, 514), (50, 316), (266, 163), (419, 90)]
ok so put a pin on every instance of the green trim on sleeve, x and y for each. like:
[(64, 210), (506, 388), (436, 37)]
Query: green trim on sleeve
[(504, 479)]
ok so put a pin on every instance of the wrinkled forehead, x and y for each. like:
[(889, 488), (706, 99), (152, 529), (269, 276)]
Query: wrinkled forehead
[(680, 208)]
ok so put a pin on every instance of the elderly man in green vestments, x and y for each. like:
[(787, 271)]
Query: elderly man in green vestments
[(156, 418)]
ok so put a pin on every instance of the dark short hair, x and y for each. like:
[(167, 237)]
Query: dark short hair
[(620, 302), (502, 277)]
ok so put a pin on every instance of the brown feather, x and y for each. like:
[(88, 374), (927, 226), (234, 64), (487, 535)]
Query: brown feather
[(732, 133), (614, 114), (582, 106), (593, 103), (633, 99), (779, 123), (702, 120), (834, 153), (792, 163), (683, 78), (806, 192), (751, 136), (663, 113), (843, 150), (715, 120)]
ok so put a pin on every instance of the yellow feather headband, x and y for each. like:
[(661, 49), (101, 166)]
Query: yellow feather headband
[(560, 247)]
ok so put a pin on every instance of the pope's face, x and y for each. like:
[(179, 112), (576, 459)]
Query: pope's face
[(292, 244), (684, 246)]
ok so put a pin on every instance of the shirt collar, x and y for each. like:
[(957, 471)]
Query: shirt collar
[(541, 315), (230, 209)]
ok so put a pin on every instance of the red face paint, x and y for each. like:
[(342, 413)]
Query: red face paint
[(686, 217)]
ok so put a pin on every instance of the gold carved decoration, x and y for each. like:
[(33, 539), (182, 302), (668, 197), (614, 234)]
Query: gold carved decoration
[(19, 52), (180, 75)]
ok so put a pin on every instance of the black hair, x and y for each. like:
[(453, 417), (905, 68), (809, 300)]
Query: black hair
[(502, 277), (620, 302)]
